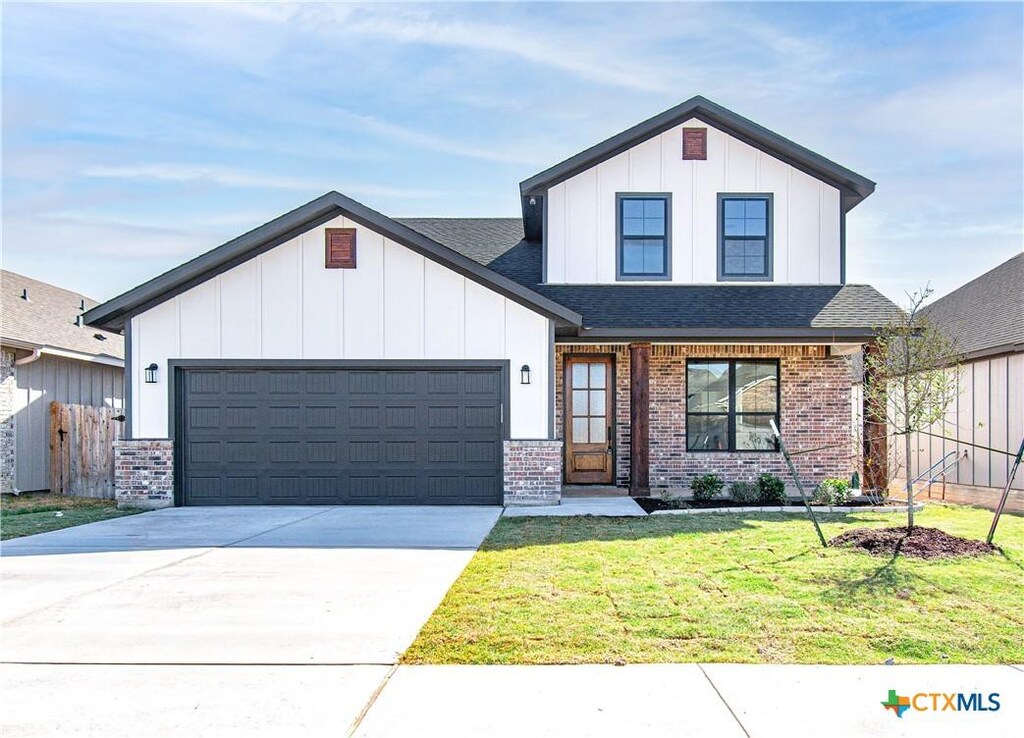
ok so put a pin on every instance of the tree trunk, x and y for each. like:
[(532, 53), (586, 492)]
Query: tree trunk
[(910, 482)]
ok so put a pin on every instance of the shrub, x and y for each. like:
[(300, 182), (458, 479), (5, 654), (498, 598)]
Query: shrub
[(771, 490), (706, 486), (744, 493), (833, 492)]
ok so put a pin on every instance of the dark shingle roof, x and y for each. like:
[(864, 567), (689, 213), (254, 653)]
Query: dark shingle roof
[(497, 244), (47, 318), (986, 315)]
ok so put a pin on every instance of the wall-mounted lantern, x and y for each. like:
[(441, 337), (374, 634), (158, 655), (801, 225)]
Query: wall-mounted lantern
[(524, 374), (151, 374)]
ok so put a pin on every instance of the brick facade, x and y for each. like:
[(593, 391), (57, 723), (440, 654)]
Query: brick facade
[(533, 472), (7, 388), (815, 411), (144, 473)]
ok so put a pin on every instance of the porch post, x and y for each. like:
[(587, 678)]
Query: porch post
[(639, 419), (876, 453)]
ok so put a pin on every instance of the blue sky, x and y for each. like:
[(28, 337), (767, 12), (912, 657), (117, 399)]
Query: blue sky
[(137, 136)]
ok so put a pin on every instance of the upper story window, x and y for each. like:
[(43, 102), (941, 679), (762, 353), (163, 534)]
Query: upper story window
[(744, 238), (644, 242)]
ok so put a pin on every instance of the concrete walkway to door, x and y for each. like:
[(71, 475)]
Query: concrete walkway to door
[(209, 618)]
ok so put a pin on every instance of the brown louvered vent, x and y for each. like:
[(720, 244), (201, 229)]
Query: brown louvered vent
[(340, 248), (695, 143)]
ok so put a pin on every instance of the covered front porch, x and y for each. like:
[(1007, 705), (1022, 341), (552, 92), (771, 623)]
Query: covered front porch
[(647, 417)]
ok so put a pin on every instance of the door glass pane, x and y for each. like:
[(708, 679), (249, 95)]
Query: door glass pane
[(596, 402), (579, 430), (707, 432), (597, 430), (754, 433), (579, 376), (597, 375), (579, 402)]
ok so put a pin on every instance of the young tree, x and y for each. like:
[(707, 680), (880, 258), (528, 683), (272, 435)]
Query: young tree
[(914, 367)]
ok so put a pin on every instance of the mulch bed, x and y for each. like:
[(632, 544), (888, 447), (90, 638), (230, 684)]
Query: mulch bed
[(650, 504), (921, 543)]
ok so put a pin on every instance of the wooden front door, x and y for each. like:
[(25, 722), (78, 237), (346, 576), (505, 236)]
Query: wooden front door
[(588, 400)]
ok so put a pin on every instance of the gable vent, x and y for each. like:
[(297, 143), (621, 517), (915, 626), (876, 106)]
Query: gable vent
[(695, 144), (340, 248)]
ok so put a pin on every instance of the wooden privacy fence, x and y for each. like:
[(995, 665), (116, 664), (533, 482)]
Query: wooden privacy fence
[(82, 449)]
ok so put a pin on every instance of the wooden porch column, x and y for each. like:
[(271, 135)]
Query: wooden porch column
[(639, 419), (876, 451)]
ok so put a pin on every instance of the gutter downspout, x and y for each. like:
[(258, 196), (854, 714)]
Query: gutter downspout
[(35, 354)]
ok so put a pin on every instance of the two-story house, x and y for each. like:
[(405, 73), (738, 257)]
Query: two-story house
[(666, 294)]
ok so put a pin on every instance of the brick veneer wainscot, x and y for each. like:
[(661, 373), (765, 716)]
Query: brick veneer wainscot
[(7, 381), (815, 411), (144, 473), (533, 472)]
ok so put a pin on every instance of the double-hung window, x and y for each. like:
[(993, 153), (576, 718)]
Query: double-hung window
[(644, 227), (744, 237), (730, 404)]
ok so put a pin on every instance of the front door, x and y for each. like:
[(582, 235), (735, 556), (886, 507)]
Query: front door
[(588, 420)]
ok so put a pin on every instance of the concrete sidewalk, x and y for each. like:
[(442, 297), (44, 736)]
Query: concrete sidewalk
[(720, 700), (571, 506)]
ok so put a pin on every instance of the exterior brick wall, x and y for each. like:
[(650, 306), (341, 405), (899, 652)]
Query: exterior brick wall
[(815, 411), (533, 472), (7, 383), (144, 473)]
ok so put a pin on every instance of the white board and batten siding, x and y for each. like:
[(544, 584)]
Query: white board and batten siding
[(396, 304), (581, 211)]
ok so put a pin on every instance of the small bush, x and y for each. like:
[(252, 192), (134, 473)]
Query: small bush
[(833, 492), (706, 486), (745, 493), (771, 490)]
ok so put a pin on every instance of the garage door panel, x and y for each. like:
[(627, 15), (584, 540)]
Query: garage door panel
[(335, 436)]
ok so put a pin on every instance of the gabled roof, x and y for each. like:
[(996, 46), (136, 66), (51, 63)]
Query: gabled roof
[(113, 313), (37, 315), (822, 313), (853, 186), (985, 316)]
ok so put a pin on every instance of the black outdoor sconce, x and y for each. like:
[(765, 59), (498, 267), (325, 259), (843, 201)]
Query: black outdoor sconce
[(151, 374), (524, 374)]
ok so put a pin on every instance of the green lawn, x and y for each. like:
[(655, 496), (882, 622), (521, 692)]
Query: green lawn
[(727, 588), (25, 514)]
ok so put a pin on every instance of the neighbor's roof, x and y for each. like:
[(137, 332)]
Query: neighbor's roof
[(46, 319), (986, 315), (821, 312), (113, 313), (853, 187)]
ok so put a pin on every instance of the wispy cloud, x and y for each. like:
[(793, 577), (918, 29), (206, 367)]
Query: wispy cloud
[(225, 177)]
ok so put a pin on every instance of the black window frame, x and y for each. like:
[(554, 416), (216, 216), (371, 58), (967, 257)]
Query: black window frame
[(769, 246), (731, 414), (620, 238)]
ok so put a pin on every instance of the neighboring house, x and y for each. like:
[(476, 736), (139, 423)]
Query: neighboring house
[(337, 355), (47, 354), (985, 318)]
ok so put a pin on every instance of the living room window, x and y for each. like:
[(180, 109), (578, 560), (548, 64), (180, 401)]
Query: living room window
[(643, 236), (744, 237), (730, 403)]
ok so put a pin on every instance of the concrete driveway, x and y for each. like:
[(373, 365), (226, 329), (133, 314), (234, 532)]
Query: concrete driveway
[(198, 619)]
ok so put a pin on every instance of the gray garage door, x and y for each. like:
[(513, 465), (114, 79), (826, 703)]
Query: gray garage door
[(324, 436)]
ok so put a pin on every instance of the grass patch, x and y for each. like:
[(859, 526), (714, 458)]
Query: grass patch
[(752, 588), (29, 513)]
